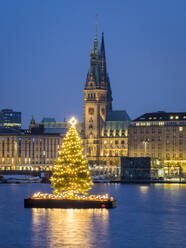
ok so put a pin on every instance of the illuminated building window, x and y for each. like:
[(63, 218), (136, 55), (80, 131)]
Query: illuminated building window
[(114, 133), (171, 117), (180, 129), (161, 123), (177, 117)]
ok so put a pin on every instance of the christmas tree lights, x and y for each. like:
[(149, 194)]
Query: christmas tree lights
[(71, 179), (71, 174)]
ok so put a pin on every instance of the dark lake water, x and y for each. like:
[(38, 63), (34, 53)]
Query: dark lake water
[(147, 216)]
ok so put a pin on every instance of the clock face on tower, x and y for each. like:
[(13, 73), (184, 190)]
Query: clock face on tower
[(91, 111)]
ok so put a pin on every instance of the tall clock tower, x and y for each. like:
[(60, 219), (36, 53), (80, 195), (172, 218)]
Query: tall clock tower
[(97, 98)]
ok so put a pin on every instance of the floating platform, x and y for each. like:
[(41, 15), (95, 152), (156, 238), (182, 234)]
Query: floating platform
[(65, 203)]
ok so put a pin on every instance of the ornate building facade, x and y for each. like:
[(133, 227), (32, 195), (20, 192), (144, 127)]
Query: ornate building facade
[(107, 134), (28, 150), (105, 130), (162, 136)]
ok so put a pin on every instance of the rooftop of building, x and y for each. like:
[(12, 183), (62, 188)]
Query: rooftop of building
[(162, 116), (9, 111), (117, 115), (48, 120)]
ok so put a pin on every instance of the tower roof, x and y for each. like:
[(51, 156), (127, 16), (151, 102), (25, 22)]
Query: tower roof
[(32, 120), (162, 116), (117, 115), (97, 73)]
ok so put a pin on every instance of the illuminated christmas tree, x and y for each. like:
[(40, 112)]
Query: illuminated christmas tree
[(71, 174)]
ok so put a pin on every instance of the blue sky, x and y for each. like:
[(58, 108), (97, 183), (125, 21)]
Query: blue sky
[(45, 49)]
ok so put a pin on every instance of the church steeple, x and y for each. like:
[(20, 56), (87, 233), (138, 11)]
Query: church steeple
[(94, 70), (103, 59), (97, 96), (97, 76), (32, 123), (105, 81), (96, 40), (102, 46)]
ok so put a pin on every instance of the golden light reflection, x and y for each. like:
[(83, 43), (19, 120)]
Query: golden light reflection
[(170, 185), (69, 227), (172, 190), (144, 189)]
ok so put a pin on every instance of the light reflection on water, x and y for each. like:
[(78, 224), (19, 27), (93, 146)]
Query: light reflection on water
[(146, 216), (143, 189), (70, 227)]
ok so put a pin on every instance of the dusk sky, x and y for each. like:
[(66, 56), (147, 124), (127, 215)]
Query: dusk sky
[(45, 50)]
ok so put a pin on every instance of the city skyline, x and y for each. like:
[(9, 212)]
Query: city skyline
[(45, 54)]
